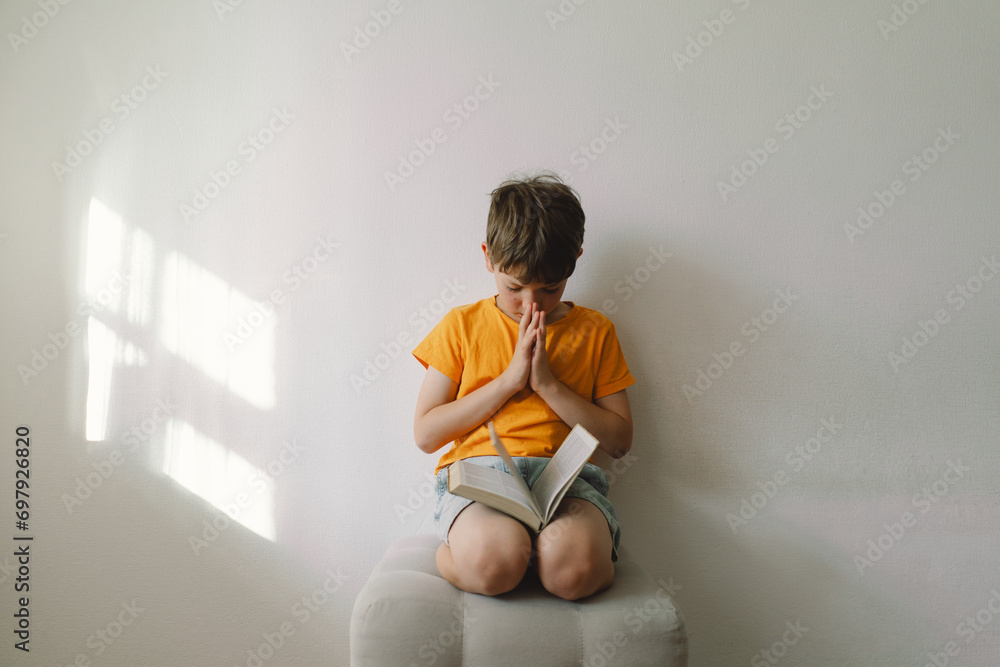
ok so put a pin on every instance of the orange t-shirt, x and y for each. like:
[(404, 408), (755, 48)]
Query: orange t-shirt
[(473, 344)]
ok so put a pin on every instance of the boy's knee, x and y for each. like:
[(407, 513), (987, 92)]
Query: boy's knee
[(575, 578), (497, 569)]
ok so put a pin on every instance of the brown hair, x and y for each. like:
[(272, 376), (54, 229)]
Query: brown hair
[(535, 226)]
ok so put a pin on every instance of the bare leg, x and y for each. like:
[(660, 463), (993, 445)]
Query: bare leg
[(574, 551), (488, 554)]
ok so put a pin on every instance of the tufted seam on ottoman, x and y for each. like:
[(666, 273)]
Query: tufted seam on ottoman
[(579, 625), (361, 616), (405, 586), (682, 630), (465, 625)]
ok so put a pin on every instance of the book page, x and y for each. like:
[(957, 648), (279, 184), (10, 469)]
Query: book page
[(494, 481), (515, 472), (559, 473)]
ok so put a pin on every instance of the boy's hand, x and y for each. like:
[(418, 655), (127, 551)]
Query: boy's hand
[(541, 375), (519, 369)]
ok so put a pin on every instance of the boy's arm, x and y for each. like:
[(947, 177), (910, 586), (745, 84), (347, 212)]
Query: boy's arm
[(439, 418), (608, 418)]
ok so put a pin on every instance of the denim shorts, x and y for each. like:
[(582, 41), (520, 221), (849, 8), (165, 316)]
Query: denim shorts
[(590, 485)]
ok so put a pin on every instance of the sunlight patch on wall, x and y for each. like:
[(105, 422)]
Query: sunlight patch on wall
[(105, 230), (198, 309), (107, 281), (220, 476), (139, 299), (101, 344)]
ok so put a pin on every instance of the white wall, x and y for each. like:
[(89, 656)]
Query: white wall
[(336, 125)]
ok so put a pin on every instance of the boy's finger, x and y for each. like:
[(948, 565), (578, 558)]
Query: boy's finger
[(529, 342), (532, 323)]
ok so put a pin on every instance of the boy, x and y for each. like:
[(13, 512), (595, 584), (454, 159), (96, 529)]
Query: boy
[(535, 366)]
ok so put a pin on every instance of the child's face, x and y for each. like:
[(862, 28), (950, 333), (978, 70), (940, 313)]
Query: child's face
[(515, 298)]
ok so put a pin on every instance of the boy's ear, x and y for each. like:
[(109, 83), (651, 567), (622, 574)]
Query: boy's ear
[(486, 254)]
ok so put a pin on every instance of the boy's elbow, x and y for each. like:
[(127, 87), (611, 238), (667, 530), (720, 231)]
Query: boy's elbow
[(621, 450), (425, 446), (624, 441), (423, 439)]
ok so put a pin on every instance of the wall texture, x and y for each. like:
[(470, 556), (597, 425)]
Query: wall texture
[(226, 224)]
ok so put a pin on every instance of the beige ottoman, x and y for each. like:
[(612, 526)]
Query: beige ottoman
[(408, 616)]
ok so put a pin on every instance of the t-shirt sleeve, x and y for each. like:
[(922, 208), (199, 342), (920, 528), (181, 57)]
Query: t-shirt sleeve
[(442, 347), (612, 371)]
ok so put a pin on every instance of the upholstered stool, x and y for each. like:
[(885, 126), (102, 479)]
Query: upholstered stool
[(408, 616)]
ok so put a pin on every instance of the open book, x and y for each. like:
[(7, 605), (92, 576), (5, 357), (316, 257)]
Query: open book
[(510, 493)]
